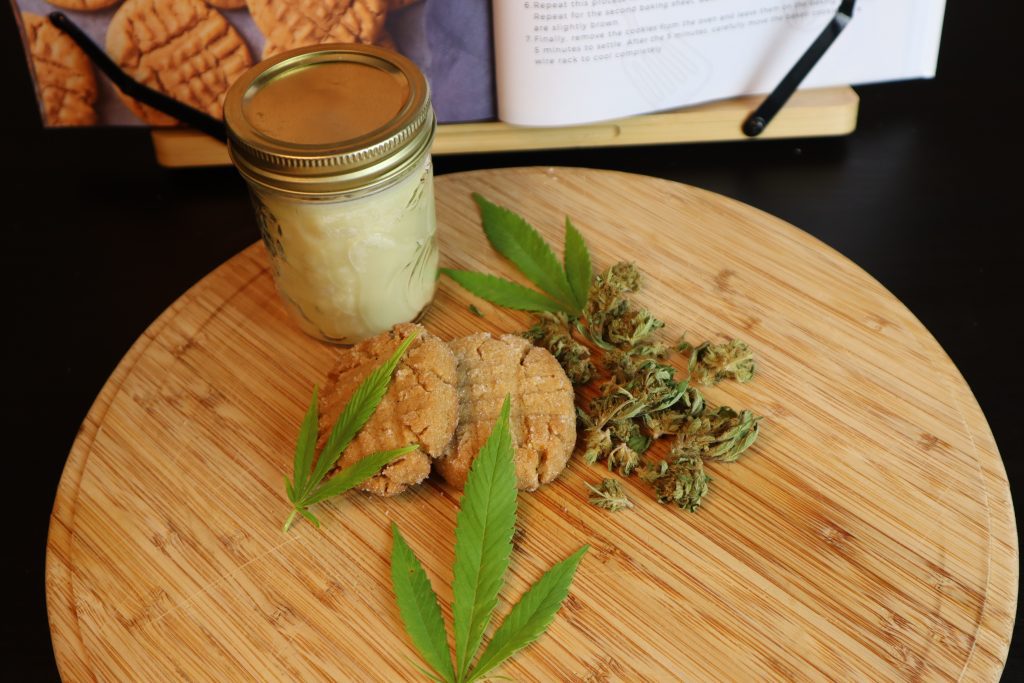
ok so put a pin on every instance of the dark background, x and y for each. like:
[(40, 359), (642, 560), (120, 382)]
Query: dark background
[(98, 240)]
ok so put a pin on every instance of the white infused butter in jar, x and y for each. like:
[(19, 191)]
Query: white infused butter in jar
[(334, 142)]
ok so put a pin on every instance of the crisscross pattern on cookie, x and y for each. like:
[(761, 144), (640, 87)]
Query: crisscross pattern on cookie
[(543, 418), (183, 48), (289, 24), (64, 75), (419, 407)]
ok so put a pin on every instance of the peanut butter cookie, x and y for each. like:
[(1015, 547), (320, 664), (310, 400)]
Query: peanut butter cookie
[(288, 24), (64, 76), (183, 48), (543, 417), (83, 5), (420, 406), (227, 4)]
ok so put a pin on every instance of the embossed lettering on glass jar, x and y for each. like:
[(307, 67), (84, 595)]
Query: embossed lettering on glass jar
[(334, 142)]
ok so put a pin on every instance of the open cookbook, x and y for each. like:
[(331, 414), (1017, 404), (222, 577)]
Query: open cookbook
[(534, 63)]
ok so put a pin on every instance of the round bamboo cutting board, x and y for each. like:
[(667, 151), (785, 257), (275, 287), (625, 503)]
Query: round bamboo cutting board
[(868, 534)]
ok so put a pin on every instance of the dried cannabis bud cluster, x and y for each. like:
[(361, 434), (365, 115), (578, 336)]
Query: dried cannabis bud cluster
[(610, 495), (553, 333), (610, 320), (682, 481), (641, 400), (711, 363)]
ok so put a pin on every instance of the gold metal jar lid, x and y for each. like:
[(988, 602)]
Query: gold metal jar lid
[(329, 118)]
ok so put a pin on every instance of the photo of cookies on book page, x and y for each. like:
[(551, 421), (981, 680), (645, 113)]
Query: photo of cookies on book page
[(193, 50)]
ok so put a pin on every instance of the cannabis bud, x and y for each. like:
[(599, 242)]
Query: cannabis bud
[(597, 443), (610, 495), (683, 481), (611, 321), (552, 332), (672, 420), (632, 327), (722, 435), (711, 363), (624, 458)]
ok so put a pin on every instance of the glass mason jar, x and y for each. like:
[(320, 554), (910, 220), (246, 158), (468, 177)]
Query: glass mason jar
[(334, 143)]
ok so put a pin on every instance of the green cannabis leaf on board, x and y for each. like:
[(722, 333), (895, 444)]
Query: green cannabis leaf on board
[(309, 484), (563, 289), (483, 546)]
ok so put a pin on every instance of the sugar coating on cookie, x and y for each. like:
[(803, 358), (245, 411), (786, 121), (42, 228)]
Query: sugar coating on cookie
[(420, 406), (543, 416), (288, 24), (183, 48), (64, 76)]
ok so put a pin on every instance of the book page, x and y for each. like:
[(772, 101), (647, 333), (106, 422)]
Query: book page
[(562, 62)]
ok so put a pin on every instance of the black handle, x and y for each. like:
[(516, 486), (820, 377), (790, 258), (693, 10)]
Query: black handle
[(763, 115), (190, 116)]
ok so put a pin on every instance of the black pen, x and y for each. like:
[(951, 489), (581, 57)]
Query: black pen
[(763, 115)]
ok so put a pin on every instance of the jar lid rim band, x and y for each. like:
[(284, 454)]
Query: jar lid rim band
[(352, 116)]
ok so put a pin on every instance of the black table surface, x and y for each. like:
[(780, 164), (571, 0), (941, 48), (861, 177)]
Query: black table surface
[(101, 240)]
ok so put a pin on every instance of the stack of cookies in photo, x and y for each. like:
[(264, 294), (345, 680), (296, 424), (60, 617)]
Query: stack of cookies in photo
[(191, 50)]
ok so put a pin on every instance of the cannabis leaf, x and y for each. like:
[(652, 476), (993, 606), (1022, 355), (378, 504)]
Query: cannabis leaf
[(501, 291), (520, 243), (308, 486), (483, 541), (531, 616), (578, 269), (565, 289), (418, 606), (483, 545)]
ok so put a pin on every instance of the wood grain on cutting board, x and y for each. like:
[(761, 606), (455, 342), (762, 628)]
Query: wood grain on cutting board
[(869, 533)]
